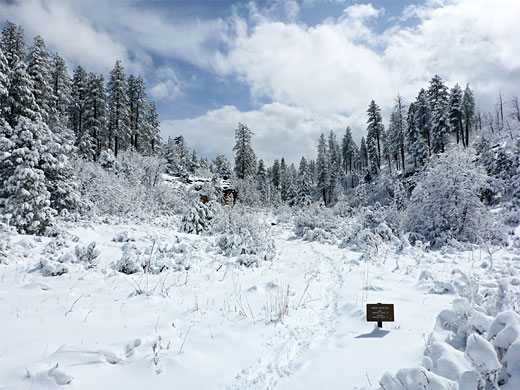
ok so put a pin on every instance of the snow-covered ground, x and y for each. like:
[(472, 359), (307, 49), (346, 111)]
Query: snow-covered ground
[(297, 322)]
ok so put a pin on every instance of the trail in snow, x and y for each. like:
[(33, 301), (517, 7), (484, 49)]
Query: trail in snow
[(334, 344)]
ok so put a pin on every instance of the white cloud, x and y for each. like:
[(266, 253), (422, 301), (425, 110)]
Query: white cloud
[(280, 131), (338, 66), (73, 36), (168, 86)]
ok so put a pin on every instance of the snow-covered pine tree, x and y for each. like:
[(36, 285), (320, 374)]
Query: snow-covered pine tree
[(245, 158), (21, 101), (438, 99), (222, 167), (303, 185), (4, 86), (415, 142), (363, 154), (118, 110), (375, 131), (468, 111), (38, 69), (372, 154), (177, 156), (82, 138), (95, 118), (261, 181), (13, 44), (61, 86), (275, 175), (137, 108), (397, 137), (334, 166), (455, 113), (6, 143), (284, 180), (27, 200), (423, 119), (292, 189), (151, 132), (322, 168), (347, 150), (389, 150), (194, 162)]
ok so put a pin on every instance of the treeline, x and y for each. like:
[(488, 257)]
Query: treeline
[(47, 116), (437, 118)]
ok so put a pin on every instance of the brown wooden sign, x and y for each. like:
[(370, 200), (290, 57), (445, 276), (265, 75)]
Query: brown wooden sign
[(380, 312)]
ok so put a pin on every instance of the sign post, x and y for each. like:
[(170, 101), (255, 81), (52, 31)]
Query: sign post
[(379, 312)]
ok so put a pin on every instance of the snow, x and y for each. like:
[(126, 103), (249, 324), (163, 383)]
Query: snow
[(296, 321)]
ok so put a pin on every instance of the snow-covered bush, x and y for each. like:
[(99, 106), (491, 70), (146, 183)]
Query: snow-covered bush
[(122, 236), (446, 203), (49, 267), (130, 188), (197, 220), (87, 255), (240, 233), (468, 350), (317, 223), (155, 260)]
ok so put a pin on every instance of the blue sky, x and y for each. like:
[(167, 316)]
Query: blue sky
[(289, 69)]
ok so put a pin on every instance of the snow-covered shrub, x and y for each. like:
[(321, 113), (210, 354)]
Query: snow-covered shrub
[(131, 261), (122, 237), (317, 223), (49, 267), (87, 255), (163, 257), (470, 348), (445, 203), (132, 187), (240, 233), (197, 219)]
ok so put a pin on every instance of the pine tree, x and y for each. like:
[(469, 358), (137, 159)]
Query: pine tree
[(61, 87), (275, 175), (303, 185), (375, 134), (415, 142), (245, 159), (261, 181), (4, 87), (177, 156), (348, 149), (137, 108), (194, 162), (334, 166), (95, 109), (455, 113), (38, 70), (468, 110), (21, 101), (284, 180), (222, 167), (398, 126), (292, 189), (118, 110), (423, 119), (27, 200), (322, 168), (13, 44), (372, 153), (363, 154), (438, 98), (151, 132), (77, 112)]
